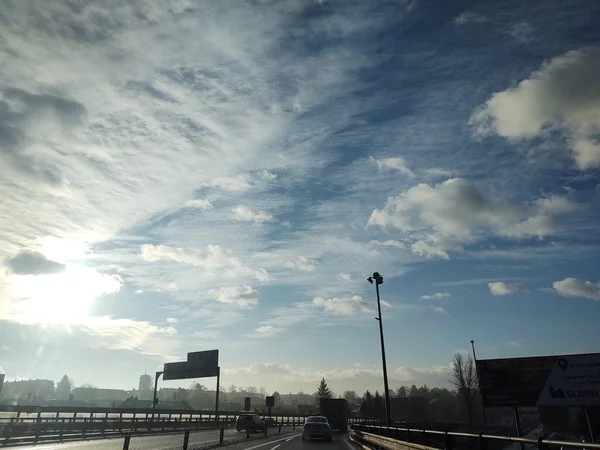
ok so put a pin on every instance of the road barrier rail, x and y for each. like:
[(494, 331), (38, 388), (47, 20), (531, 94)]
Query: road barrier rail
[(394, 438), (25, 424)]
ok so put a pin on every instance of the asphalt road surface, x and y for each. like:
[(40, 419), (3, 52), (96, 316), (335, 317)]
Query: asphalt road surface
[(293, 441), (169, 441)]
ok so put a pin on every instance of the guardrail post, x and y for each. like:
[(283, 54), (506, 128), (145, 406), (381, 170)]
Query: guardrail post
[(186, 439), (424, 437), (38, 425), (221, 435), (266, 430), (483, 442), (449, 441), (280, 428), (294, 426), (540, 444), (247, 434), (126, 442)]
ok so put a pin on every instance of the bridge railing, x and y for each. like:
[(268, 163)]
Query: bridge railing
[(393, 438), (33, 423)]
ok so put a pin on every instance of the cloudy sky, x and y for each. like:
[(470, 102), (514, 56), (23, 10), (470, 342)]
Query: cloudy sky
[(188, 175)]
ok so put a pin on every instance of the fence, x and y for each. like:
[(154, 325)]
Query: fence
[(20, 424), (393, 438)]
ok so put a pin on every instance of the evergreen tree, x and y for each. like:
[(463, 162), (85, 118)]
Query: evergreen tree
[(64, 387), (323, 391)]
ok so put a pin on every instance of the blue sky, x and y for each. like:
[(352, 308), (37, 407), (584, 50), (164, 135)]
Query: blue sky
[(182, 175)]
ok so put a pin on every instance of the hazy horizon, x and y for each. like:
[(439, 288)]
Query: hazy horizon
[(188, 175)]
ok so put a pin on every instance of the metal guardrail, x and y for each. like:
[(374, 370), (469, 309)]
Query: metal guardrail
[(25, 424), (405, 438)]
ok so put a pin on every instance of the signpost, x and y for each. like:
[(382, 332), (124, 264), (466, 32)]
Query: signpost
[(1, 381), (198, 365), (247, 401), (270, 402)]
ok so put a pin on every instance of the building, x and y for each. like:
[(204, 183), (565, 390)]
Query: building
[(145, 383), (99, 397), (28, 390)]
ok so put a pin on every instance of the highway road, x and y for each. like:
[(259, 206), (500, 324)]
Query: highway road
[(293, 441), (169, 441)]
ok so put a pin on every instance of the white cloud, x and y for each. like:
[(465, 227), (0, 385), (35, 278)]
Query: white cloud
[(521, 31), (439, 310), (267, 331), (269, 176), (172, 320), (346, 305), (212, 258), (245, 214), (561, 95), (207, 334), (469, 17), (303, 264), (448, 216), (501, 288), (573, 287), (390, 243), (344, 276), (238, 183), (515, 344), (436, 296), (236, 295), (395, 163), (199, 203)]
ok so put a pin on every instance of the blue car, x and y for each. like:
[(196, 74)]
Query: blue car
[(316, 427)]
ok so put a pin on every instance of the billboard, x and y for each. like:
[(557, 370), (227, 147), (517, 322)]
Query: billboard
[(270, 401), (563, 380), (247, 401), (198, 365)]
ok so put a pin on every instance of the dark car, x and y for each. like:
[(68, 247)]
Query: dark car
[(316, 427), (250, 422)]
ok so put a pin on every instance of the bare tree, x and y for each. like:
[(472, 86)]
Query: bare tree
[(464, 379)]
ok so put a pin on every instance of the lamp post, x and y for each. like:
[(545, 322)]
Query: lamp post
[(485, 425), (378, 279)]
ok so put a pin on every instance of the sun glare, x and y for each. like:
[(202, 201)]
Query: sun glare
[(63, 298)]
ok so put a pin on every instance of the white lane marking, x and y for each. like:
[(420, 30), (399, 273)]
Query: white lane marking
[(288, 440), (276, 446), (268, 443)]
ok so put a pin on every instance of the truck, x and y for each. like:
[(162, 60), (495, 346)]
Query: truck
[(336, 411)]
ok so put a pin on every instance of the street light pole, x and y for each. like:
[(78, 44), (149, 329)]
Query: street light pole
[(379, 280), (484, 415)]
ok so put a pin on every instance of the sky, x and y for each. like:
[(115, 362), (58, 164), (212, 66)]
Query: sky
[(192, 175)]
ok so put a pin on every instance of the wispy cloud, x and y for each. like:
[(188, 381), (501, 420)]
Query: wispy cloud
[(245, 214), (395, 163), (213, 257), (303, 264), (467, 17), (237, 295), (436, 296), (199, 203)]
